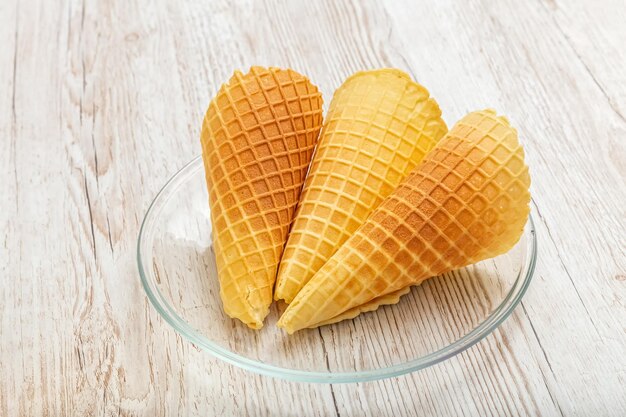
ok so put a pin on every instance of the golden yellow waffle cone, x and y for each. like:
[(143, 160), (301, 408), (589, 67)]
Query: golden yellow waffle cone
[(379, 127), (257, 140), (467, 201), (383, 300)]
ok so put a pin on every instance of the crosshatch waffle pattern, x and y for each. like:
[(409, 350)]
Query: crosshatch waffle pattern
[(467, 201), (387, 299), (379, 127), (257, 138)]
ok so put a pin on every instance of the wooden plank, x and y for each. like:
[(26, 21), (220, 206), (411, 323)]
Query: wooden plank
[(597, 37)]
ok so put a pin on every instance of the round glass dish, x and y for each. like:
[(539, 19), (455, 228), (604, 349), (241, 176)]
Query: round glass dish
[(435, 321)]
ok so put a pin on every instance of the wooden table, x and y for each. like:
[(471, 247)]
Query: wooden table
[(102, 101)]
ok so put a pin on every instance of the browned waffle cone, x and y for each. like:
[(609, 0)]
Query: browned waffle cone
[(467, 201), (258, 136)]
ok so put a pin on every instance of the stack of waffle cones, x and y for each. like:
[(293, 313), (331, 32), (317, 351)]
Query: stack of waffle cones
[(389, 201)]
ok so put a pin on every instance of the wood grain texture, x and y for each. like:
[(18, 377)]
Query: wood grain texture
[(102, 102)]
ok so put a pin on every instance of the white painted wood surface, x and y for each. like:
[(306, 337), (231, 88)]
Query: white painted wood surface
[(101, 102)]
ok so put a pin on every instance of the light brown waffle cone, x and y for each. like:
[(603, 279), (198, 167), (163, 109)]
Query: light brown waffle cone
[(467, 201), (257, 138), (379, 127), (387, 299)]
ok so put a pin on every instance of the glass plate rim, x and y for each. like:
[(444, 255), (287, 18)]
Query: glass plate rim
[(486, 327)]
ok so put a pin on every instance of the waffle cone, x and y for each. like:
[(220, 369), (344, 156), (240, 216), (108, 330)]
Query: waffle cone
[(379, 127), (257, 138), (467, 201), (387, 299)]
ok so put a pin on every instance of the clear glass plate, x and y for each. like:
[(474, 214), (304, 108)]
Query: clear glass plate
[(435, 321)]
